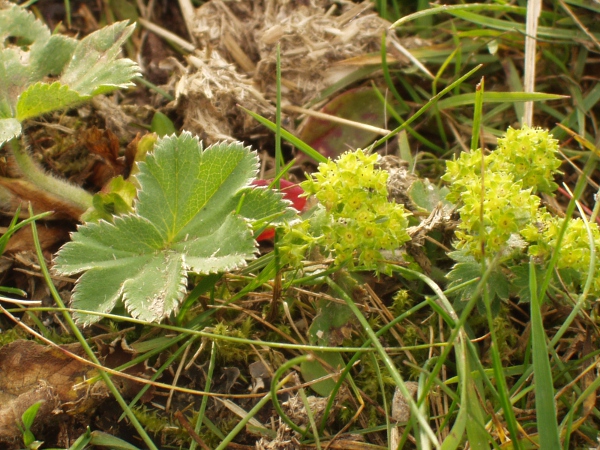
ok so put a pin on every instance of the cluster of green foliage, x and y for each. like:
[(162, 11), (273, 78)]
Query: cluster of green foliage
[(45, 72), (496, 192)]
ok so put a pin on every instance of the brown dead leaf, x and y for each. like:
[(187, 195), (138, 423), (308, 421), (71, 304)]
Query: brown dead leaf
[(30, 372), (117, 353), (49, 235)]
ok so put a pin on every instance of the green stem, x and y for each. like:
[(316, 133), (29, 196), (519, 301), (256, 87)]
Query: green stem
[(69, 193), (275, 385)]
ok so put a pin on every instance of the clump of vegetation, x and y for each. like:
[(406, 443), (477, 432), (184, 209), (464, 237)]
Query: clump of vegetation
[(500, 209)]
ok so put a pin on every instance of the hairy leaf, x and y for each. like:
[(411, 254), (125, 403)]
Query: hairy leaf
[(9, 128), (468, 269), (188, 218), (41, 98), (94, 67), (29, 53)]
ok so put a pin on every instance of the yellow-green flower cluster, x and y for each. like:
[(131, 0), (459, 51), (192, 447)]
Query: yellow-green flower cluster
[(464, 172), (496, 191), (507, 208), (359, 219), (574, 252), (530, 155)]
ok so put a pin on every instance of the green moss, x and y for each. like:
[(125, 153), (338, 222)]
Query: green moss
[(229, 352)]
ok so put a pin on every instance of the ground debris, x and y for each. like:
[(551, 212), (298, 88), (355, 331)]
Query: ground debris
[(237, 58), (285, 440), (30, 372)]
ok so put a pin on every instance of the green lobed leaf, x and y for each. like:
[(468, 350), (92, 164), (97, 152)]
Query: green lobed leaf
[(20, 35), (52, 57), (41, 98), (16, 22), (14, 77), (467, 269), (29, 53), (184, 221), (94, 67)]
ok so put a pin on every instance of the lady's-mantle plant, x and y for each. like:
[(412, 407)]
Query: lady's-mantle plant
[(41, 72), (194, 213), (496, 192), (354, 219), (501, 213)]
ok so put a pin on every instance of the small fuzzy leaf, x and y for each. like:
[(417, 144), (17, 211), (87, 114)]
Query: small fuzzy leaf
[(162, 125), (291, 192), (184, 221), (41, 98), (14, 77), (468, 269), (21, 26), (9, 128), (426, 195), (94, 67), (257, 203), (333, 324), (116, 199), (29, 54), (462, 272), (52, 58), (21, 36)]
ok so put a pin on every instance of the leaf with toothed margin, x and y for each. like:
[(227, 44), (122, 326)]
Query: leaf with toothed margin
[(80, 69), (194, 213)]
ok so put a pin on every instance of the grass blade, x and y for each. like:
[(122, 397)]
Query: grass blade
[(298, 143), (544, 387), (105, 377), (393, 371), (425, 107), (497, 97)]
